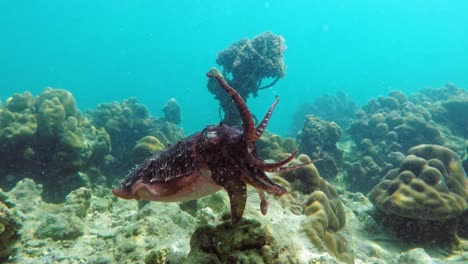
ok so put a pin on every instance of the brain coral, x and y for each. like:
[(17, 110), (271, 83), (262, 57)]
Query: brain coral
[(387, 127), (325, 213), (429, 185)]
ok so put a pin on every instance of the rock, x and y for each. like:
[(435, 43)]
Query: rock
[(414, 256), (247, 242)]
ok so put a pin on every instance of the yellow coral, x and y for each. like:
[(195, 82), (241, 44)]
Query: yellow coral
[(429, 185), (51, 117), (326, 216), (148, 145), (63, 96)]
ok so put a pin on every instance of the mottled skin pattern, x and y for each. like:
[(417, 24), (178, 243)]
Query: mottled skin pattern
[(218, 157)]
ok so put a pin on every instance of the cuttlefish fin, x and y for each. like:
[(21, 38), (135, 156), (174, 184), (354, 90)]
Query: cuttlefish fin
[(238, 198)]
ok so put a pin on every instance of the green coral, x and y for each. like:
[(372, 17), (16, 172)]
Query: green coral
[(46, 138), (147, 145), (272, 146), (157, 256), (429, 190), (66, 222), (318, 140), (430, 185), (129, 126), (19, 102), (386, 128), (325, 213), (51, 118), (60, 227), (63, 96), (247, 242), (17, 121), (456, 112)]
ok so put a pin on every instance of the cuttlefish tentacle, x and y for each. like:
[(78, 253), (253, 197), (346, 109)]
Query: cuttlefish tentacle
[(257, 179), (270, 167), (290, 168), (248, 124), (262, 126), (246, 116), (260, 181)]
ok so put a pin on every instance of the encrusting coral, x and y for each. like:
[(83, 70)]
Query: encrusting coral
[(249, 62), (430, 185)]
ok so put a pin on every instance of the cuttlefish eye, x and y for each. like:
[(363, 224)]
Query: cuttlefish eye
[(211, 134)]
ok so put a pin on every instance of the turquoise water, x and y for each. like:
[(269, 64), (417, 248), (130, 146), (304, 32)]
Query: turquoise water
[(103, 51)]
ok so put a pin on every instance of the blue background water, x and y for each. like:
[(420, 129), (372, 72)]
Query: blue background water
[(154, 50)]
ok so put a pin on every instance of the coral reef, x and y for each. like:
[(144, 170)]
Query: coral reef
[(133, 131), (433, 95), (448, 106), (337, 108), (318, 140), (248, 62), (272, 146), (57, 207), (47, 138), (430, 188), (456, 113), (126, 122), (386, 128)]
